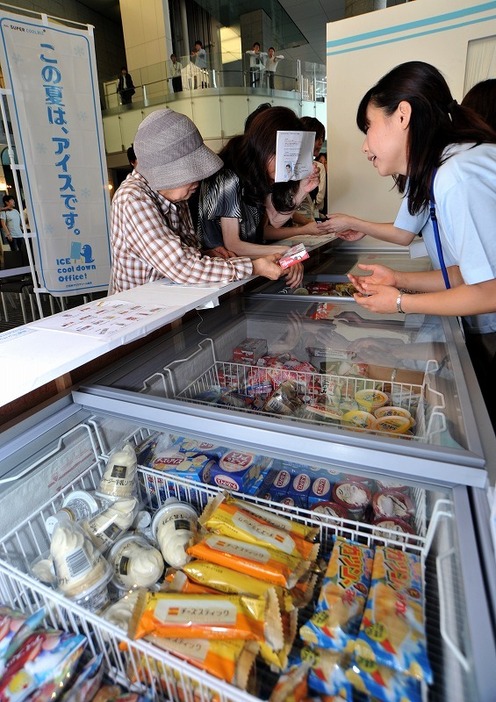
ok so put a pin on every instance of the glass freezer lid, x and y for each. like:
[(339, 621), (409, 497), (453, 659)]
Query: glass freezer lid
[(388, 383)]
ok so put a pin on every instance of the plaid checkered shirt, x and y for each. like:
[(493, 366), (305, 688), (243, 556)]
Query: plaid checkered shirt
[(153, 238)]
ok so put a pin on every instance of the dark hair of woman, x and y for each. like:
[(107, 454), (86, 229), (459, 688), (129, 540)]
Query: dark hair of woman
[(436, 121), (248, 156), (312, 124), (481, 98)]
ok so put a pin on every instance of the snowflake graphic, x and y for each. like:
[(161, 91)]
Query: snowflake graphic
[(79, 50), (82, 116), (17, 58), (85, 193), (41, 148)]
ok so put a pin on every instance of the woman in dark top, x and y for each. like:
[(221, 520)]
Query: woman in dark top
[(237, 202)]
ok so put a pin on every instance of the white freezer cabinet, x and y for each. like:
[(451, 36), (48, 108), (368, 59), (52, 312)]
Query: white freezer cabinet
[(326, 373), (65, 448)]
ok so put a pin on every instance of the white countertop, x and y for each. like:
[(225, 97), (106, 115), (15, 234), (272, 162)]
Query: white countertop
[(46, 349)]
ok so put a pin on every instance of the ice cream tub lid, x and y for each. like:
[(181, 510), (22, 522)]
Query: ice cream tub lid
[(173, 509), (394, 524), (351, 495), (85, 497)]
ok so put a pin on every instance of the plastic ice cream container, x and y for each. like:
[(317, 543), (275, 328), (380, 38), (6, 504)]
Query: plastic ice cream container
[(174, 527), (135, 562), (353, 496)]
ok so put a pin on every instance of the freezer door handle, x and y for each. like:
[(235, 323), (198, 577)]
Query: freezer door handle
[(443, 609)]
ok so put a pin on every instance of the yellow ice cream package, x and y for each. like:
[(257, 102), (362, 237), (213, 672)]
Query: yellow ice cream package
[(194, 616), (392, 632), (218, 577), (273, 566), (278, 660), (342, 598), (304, 531), (231, 660), (228, 517)]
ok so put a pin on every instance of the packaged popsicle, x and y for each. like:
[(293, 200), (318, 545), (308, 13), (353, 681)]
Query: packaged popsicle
[(342, 598), (327, 672), (229, 518), (176, 615), (383, 683), (231, 660), (271, 565), (392, 632)]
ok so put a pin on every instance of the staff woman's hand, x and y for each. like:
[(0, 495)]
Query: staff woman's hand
[(380, 275), (379, 298)]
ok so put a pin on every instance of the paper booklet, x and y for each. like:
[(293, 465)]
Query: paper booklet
[(294, 155)]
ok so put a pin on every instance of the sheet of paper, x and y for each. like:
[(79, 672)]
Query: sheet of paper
[(105, 318), (294, 155)]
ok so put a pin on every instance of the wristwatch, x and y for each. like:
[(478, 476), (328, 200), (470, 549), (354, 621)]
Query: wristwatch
[(398, 304)]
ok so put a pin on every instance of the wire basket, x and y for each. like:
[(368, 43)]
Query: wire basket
[(140, 665), (202, 379)]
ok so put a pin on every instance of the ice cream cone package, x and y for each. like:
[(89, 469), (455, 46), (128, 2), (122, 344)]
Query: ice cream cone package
[(269, 564), (120, 476), (227, 517), (192, 616), (392, 632), (342, 598)]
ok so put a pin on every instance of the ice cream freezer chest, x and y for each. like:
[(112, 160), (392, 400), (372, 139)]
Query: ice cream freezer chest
[(65, 449)]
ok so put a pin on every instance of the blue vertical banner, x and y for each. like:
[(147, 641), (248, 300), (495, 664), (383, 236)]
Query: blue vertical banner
[(52, 89)]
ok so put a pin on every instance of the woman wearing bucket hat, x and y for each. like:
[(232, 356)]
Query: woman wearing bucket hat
[(152, 235)]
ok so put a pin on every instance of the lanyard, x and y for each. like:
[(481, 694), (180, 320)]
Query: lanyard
[(437, 238)]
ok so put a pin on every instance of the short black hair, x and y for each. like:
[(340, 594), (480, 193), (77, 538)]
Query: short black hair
[(131, 156), (199, 42), (6, 198)]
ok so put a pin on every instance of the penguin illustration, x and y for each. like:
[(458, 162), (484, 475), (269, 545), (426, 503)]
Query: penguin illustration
[(86, 252)]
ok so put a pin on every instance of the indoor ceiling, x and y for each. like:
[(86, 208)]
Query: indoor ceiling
[(310, 16)]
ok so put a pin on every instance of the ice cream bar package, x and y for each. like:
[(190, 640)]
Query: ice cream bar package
[(290, 525), (44, 662), (383, 683), (224, 516), (342, 598), (222, 579), (221, 616), (293, 255), (327, 673), (230, 660), (237, 471), (15, 627), (292, 686), (269, 564), (392, 632), (249, 351), (87, 683)]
